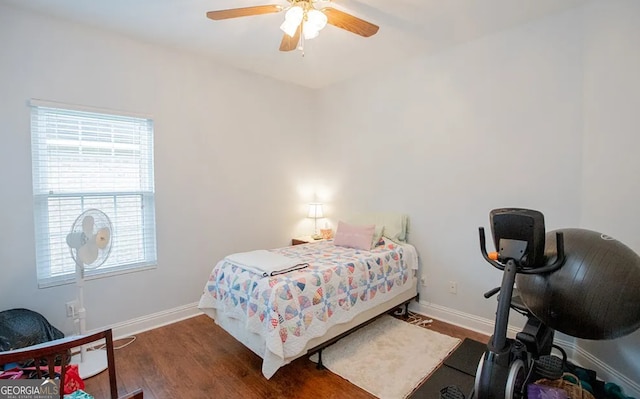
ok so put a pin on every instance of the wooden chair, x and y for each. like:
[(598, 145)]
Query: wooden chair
[(59, 349)]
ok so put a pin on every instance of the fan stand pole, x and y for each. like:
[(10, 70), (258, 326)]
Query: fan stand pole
[(90, 362)]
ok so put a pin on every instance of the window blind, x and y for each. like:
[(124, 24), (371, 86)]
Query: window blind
[(85, 159)]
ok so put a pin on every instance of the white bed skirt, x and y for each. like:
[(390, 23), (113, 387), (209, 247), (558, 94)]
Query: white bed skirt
[(271, 362)]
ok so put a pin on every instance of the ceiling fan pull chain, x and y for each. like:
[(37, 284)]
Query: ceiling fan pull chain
[(301, 47)]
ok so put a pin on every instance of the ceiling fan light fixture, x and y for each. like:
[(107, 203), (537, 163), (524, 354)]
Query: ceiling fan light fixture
[(302, 20), (292, 20), (309, 31), (314, 21), (316, 18), (288, 28), (294, 14)]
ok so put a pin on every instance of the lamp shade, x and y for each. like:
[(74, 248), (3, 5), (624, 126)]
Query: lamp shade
[(315, 210), (317, 19), (292, 20), (309, 31), (294, 14)]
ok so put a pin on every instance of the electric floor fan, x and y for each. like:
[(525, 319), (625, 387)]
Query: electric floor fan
[(90, 244)]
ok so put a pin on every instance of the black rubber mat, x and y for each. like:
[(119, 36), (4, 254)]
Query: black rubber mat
[(458, 369), (466, 357), (442, 378)]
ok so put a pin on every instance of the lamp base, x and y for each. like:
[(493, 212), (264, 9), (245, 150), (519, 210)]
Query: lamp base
[(316, 237), (91, 363)]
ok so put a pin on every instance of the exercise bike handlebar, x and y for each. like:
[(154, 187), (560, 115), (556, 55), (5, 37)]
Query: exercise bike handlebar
[(491, 292), (531, 270)]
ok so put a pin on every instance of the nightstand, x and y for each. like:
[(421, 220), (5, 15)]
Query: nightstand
[(303, 240)]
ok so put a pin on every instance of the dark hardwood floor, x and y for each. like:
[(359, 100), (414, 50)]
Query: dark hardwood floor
[(195, 358)]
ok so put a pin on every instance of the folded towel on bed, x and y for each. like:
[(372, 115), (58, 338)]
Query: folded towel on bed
[(265, 262)]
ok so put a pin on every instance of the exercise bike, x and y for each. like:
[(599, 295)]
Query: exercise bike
[(509, 365)]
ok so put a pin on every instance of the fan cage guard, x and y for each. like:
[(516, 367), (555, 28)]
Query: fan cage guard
[(100, 220)]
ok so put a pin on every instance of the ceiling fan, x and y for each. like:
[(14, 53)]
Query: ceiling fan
[(303, 21)]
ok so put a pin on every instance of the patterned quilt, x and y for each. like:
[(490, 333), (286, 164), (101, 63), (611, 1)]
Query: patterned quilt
[(290, 309)]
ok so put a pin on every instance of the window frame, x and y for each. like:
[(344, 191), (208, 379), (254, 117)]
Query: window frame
[(41, 199)]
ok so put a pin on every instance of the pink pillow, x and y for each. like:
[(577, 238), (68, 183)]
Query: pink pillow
[(354, 236)]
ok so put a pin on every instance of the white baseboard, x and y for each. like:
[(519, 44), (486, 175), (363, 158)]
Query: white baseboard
[(461, 319), (575, 353), (155, 320)]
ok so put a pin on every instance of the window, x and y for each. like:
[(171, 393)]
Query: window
[(85, 158)]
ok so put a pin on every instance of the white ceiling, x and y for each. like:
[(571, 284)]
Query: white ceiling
[(407, 28)]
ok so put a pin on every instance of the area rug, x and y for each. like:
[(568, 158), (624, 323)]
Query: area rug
[(389, 357)]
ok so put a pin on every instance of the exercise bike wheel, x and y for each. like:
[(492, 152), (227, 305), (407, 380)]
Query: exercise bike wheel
[(476, 385), (513, 383), (515, 379)]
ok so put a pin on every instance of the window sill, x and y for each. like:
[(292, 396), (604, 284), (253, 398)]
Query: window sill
[(94, 275)]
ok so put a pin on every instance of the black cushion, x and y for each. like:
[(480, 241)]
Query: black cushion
[(20, 328)]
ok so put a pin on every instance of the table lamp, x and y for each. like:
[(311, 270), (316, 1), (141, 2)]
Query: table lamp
[(315, 212)]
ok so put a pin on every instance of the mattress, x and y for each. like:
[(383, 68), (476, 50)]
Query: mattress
[(283, 316)]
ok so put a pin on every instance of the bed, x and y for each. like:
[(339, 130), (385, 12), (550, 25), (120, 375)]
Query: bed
[(335, 288)]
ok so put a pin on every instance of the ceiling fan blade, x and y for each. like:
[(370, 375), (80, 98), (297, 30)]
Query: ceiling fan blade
[(349, 22), (243, 12), (289, 43)]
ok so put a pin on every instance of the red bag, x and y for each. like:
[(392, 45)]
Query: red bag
[(72, 380)]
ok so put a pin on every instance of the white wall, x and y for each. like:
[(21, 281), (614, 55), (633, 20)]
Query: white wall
[(226, 179), (543, 116), (611, 164), (491, 123)]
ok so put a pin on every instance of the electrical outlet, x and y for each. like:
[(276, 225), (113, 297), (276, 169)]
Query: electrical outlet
[(453, 287), (423, 281), (72, 308)]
